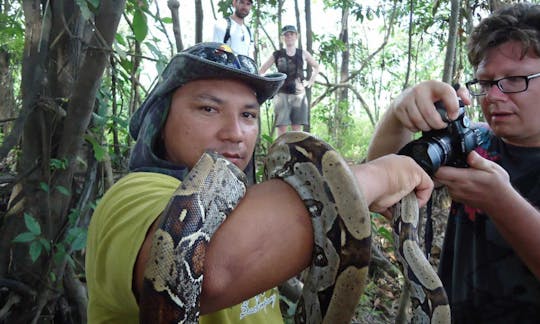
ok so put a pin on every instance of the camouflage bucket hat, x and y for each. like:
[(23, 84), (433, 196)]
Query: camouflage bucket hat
[(202, 61), (216, 60)]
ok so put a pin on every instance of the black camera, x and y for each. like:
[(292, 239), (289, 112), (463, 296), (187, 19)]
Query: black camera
[(449, 146)]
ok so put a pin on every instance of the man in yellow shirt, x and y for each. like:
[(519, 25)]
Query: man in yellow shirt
[(208, 99)]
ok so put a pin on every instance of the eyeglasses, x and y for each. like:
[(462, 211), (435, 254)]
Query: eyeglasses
[(511, 84), (223, 54)]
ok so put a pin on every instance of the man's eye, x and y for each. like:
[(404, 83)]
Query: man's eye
[(248, 114), (207, 109)]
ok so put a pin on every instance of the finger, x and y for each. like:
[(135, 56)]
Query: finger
[(447, 94), (423, 192), (464, 94), (417, 119), (426, 94), (477, 162)]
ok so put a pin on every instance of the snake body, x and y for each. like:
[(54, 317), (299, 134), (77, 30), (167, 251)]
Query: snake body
[(174, 274), (428, 297), (341, 223)]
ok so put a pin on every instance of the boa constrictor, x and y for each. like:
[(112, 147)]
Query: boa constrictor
[(341, 222)]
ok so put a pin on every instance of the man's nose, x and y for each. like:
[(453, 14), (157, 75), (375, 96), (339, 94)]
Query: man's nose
[(232, 129), (494, 92)]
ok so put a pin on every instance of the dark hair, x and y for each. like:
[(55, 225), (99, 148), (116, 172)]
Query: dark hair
[(519, 22)]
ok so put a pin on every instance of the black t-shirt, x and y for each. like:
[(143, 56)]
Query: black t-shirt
[(485, 280), (290, 65)]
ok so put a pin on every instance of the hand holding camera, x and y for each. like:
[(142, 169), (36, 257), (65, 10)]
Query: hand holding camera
[(449, 146)]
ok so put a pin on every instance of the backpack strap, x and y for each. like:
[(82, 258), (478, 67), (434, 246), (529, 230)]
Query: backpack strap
[(228, 31), (249, 33)]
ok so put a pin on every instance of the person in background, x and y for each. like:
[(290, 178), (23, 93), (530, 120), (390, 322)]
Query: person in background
[(208, 99), (490, 263), (233, 30), (290, 104)]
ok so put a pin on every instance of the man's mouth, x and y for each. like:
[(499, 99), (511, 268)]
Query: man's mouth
[(234, 158), (501, 115)]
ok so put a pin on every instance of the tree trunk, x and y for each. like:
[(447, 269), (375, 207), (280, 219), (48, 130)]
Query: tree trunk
[(198, 21), (63, 62), (174, 5), (451, 43), (341, 108), (7, 104), (309, 48)]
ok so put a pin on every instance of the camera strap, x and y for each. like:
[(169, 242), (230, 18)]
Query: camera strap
[(428, 229)]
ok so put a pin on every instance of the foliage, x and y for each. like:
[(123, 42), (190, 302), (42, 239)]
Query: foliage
[(12, 31), (75, 240)]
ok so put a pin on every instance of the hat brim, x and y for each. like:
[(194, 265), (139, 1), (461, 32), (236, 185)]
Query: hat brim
[(185, 67)]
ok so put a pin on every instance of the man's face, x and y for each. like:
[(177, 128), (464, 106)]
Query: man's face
[(242, 8), (515, 117), (216, 115)]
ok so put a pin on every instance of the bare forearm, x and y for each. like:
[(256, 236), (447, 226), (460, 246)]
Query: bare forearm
[(270, 224), (389, 137)]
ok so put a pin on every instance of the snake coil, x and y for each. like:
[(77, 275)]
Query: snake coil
[(341, 223)]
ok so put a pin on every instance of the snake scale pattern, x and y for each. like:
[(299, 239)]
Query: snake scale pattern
[(428, 297), (341, 222)]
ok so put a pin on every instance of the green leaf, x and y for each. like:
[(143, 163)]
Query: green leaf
[(45, 244), (53, 276), (73, 216), (99, 151), (79, 242), (166, 20), (63, 190), (382, 231), (140, 27), (267, 138), (32, 224), (120, 39), (44, 186), (24, 237), (35, 250), (60, 254), (85, 11), (94, 3), (57, 164), (70, 261)]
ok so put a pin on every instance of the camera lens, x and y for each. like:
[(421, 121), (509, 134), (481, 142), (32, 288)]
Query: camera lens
[(430, 154)]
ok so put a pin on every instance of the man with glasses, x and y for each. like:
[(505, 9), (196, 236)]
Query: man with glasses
[(208, 99), (490, 263)]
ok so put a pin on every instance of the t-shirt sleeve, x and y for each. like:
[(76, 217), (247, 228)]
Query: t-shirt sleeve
[(116, 233), (219, 32)]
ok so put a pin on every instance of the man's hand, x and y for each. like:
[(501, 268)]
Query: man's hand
[(388, 179), (478, 185), (415, 107)]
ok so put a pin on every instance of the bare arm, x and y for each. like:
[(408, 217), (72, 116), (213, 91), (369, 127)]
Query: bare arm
[(241, 258), (516, 219), (259, 246), (266, 65)]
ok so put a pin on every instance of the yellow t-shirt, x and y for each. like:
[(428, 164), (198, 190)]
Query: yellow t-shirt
[(115, 235)]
